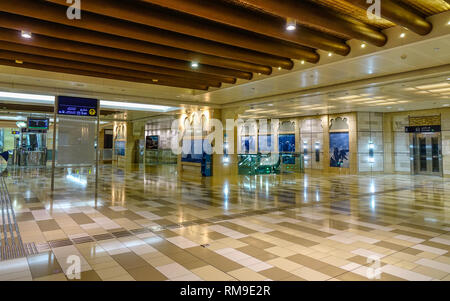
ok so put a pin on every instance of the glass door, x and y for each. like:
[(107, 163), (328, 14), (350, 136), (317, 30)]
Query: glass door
[(426, 153)]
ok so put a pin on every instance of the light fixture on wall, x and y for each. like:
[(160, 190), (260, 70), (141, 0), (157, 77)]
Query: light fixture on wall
[(371, 152), (305, 150), (194, 65), (317, 148)]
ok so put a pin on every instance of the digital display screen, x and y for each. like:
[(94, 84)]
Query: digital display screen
[(38, 124), (77, 106)]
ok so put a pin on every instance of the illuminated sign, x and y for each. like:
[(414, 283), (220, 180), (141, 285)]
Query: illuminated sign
[(37, 123), (423, 129), (77, 106)]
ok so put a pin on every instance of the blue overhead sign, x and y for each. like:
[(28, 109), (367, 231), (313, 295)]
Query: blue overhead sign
[(77, 106)]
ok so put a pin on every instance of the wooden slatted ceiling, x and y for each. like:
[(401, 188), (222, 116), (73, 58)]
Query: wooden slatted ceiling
[(346, 8), (128, 33), (428, 8)]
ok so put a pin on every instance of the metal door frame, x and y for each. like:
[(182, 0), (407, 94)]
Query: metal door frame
[(415, 156)]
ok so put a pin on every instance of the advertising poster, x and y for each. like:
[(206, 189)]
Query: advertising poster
[(339, 150), (151, 142), (286, 143)]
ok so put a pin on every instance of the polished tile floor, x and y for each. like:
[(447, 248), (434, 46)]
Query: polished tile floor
[(146, 224)]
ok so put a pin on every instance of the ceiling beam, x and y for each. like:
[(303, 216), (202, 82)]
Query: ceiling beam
[(117, 54), (113, 63), (154, 77), (400, 14), (86, 36), (135, 33), (302, 11), (71, 71), (185, 25)]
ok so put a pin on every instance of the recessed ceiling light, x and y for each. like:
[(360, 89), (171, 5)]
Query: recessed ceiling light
[(291, 25), (330, 54), (19, 62), (194, 64), (26, 34), (402, 35), (279, 68), (270, 104), (259, 73), (363, 45), (302, 62), (154, 80)]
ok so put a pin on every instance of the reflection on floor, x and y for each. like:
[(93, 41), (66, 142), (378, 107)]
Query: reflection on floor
[(149, 225)]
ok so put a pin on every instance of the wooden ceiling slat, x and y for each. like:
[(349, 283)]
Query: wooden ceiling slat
[(428, 7), (45, 60), (306, 13), (116, 54), (90, 37), (49, 68), (206, 31), (344, 7), (136, 34), (400, 14), (109, 62)]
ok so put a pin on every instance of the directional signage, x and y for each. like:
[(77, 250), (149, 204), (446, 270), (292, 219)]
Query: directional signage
[(77, 106), (423, 129)]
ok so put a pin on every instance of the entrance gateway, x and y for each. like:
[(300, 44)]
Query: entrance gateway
[(426, 150)]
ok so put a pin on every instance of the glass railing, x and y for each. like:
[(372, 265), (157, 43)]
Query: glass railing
[(257, 164)]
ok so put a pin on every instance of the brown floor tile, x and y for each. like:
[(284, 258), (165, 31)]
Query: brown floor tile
[(292, 238), (307, 261), (24, 217), (220, 262), (146, 273), (358, 259), (81, 218), (88, 276), (305, 229), (43, 264), (215, 235), (332, 271), (129, 260), (276, 274), (389, 245), (237, 228), (48, 225), (258, 243)]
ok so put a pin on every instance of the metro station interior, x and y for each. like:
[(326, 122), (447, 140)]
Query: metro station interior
[(323, 128)]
